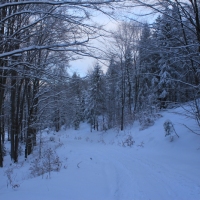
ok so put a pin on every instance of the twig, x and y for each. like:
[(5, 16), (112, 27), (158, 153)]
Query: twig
[(191, 129), (79, 164), (175, 131), (141, 144)]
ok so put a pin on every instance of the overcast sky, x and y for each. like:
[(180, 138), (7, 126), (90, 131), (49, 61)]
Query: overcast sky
[(82, 66)]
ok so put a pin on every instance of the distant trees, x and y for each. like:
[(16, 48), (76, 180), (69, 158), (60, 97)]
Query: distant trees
[(152, 67), (76, 100), (95, 102), (112, 94), (148, 57), (125, 53)]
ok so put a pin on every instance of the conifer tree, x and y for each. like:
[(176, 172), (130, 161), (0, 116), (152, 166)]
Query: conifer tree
[(96, 97)]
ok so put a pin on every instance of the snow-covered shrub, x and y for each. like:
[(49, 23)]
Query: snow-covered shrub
[(87, 139), (101, 140), (48, 163), (36, 167), (168, 127), (147, 119), (169, 130), (9, 173), (52, 139), (128, 142), (51, 161), (141, 144), (10, 177)]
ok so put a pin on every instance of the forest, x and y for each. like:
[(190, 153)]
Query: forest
[(150, 66)]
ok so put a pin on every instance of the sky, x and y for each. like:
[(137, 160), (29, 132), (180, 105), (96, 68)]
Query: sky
[(82, 66)]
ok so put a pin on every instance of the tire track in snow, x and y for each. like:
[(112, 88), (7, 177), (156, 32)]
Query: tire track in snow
[(180, 181), (130, 174)]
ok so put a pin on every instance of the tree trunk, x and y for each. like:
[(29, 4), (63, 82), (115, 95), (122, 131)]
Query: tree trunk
[(1, 150), (2, 85), (13, 115), (32, 103), (122, 103)]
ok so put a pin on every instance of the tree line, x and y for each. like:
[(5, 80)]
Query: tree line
[(36, 38)]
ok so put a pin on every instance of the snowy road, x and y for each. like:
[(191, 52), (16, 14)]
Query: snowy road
[(110, 172)]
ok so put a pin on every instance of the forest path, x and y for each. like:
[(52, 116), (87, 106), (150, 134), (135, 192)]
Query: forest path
[(112, 172), (95, 166)]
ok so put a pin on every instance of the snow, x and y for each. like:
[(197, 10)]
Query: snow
[(95, 165)]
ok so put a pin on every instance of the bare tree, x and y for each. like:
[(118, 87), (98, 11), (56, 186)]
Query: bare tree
[(30, 31), (125, 50)]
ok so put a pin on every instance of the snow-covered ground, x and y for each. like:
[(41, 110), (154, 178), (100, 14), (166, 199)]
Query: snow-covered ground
[(96, 166)]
